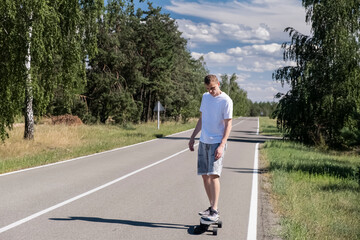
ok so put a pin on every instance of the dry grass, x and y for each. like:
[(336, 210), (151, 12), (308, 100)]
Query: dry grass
[(54, 143), (47, 137)]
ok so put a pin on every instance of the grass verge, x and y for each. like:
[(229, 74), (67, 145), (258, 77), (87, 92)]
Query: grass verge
[(268, 127), (55, 143), (316, 193)]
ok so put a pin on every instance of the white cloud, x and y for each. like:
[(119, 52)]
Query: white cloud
[(214, 32), (198, 32), (263, 91), (242, 77), (214, 58), (261, 65), (196, 55), (253, 14), (218, 57), (253, 58), (268, 48), (272, 49), (252, 30), (258, 90)]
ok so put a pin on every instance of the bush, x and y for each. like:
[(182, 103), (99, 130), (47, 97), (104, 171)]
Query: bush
[(66, 119), (350, 137)]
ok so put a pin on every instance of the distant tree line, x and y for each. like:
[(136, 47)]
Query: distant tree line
[(262, 109), (323, 105)]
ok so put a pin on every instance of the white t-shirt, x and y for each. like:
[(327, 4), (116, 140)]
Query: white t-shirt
[(214, 110)]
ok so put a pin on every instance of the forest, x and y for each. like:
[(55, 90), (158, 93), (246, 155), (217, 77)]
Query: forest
[(102, 63)]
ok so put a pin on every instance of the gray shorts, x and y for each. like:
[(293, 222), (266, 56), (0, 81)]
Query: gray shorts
[(206, 159)]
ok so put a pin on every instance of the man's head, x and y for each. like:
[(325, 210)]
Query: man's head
[(212, 84)]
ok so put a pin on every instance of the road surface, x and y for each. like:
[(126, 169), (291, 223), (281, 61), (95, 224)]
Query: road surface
[(145, 191)]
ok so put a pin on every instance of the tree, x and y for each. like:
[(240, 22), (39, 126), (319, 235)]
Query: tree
[(325, 87), (238, 95), (142, 59), (43, 45)]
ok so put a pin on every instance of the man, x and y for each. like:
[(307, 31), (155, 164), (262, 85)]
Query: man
[(215, 125)]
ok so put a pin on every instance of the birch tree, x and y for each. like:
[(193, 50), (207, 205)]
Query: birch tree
[(43, 44), (324, 98)]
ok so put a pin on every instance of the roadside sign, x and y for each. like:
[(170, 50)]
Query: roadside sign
[(158, 108)]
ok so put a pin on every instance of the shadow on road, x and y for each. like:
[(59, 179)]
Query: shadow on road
[(125, 222), (190, 228), (246, 170), (252, 139)]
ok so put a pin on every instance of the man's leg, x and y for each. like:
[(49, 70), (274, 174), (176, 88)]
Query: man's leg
[(206, 180), (214, 190)]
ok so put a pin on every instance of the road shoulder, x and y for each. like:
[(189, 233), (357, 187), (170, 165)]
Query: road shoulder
[(269, 221)]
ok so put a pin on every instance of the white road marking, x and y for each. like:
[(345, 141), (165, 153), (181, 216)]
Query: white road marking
[(35, 215), (252, 227), (91, 155)]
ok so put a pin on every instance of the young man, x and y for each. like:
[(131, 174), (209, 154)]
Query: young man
[(215, 126)]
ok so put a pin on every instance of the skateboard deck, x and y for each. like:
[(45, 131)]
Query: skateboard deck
[(206, 226)]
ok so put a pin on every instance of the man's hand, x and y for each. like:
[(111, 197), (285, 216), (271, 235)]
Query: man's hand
[(219, 152), (191, 144), (196, 131)]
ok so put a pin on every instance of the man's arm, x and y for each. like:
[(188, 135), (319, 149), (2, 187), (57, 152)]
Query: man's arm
[(220, 150), (195, 132)]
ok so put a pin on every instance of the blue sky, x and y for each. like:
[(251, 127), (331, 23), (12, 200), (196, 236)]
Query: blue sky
[(239, 36)]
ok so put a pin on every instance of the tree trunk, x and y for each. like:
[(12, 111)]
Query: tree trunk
[(29, 114), (148, 107)]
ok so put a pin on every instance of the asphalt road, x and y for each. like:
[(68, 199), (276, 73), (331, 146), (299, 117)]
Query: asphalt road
[(146, 191)]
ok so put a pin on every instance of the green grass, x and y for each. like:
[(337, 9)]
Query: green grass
[(55, 143), (316, 193), (268, 127)]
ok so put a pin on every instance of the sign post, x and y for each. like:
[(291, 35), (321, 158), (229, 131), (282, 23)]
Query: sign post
[(158, 108)]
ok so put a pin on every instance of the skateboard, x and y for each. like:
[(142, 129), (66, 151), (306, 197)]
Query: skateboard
[(205, 226)]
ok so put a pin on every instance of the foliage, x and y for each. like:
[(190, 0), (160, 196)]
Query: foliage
[(238, 95), (142, 59), (54, 38), (324, 99)]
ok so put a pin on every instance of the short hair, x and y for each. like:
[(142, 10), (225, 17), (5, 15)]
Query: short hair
[(210, 78)]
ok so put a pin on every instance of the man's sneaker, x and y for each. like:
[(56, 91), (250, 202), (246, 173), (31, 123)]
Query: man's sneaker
[(213, 216), (205, 212)]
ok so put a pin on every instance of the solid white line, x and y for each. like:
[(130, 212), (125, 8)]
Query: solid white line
[(15, 224), (252, 227), (91, 155), (35, 215), (254, 199)]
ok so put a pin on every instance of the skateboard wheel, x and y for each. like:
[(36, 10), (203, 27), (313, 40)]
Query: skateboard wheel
[(204, 226), (215, 231), (219, 224)]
